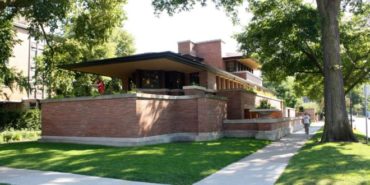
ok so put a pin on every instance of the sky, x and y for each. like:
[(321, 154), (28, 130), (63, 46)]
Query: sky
[(155, 34)]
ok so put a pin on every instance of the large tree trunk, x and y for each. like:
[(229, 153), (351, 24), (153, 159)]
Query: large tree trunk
[(337, 126)]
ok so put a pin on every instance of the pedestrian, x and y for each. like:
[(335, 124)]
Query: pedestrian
[(306, 123), (100, 85)]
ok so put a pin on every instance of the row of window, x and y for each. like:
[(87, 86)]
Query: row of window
[(234, 66), (162, 79)]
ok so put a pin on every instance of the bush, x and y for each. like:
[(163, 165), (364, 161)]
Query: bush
[(18, 135), (264, 104), (20, 119)]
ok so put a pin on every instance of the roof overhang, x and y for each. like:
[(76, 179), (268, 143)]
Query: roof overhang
[(125, 66), (250, 62)]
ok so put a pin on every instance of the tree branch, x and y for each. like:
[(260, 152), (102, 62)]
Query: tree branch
[(46, 38), (359, 80), (312, 57)]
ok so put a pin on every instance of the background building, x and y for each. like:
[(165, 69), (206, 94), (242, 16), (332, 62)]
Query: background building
[(23, 60)]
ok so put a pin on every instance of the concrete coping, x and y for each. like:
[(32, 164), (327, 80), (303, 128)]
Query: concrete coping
[(259, 120), (134, 95), (197, 87), (160, 90), (265, 110)]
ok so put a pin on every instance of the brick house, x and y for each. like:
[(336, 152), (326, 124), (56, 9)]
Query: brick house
[(180, 96)]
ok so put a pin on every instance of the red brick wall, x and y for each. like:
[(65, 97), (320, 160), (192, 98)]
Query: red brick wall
[(89, 118), (131, 117), (237, 100), (211, 113)]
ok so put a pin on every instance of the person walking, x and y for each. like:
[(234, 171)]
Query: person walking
[(306, 123), (99, 83)]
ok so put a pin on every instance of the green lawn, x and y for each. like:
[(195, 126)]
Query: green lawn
[(174, 163), (329, 164)]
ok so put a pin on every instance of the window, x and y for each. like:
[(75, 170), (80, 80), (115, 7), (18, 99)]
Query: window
[(230, 66), (194, 78), (174, 80), (150, 79)]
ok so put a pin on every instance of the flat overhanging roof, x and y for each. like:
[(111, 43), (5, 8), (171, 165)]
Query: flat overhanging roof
[(125, 66), (167, 61), (250, 62)]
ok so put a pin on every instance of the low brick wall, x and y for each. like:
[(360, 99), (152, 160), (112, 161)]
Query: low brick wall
[(271, 129), (132, 119)]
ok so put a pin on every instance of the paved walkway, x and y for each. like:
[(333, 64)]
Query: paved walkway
[(263, 167), (34, 177)]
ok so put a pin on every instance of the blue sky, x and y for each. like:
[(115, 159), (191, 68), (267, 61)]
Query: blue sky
[(153, 34)]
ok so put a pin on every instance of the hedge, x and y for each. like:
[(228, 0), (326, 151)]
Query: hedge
[(20, 119)]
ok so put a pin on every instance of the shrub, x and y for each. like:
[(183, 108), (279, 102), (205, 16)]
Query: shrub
[(18, 135), (20, 119), (264, 104)]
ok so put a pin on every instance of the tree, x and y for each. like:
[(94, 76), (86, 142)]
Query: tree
[(288, 44), (326, 19), (337, 126), (286, 36), (86, 35), (284, 90), (39, 14), (8, 76)]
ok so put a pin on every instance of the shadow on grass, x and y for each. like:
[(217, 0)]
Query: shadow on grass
[(175, 163), (329, 163)]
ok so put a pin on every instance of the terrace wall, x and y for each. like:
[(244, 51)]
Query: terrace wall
[(136, 119), (262, 128)]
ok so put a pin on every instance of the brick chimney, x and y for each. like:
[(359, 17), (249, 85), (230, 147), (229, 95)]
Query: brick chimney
[(211, 52), (187, 48)]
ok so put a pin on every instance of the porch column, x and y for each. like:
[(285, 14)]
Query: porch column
[(125, 83)]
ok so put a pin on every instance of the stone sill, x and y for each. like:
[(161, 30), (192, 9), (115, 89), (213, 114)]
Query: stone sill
[(265, 110), (197, 87), (258, 120), (136, 95)]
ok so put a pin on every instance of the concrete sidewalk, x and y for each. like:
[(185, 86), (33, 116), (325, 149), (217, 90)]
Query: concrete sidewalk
[(34, 177), (263, 167)]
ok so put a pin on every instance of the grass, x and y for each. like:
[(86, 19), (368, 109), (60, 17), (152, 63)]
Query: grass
[(174, 163), (329, 164)]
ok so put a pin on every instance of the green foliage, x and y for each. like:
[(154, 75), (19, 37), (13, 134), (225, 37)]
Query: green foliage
[(264, 104), (358, 100), (285, 90), (18, 135), (176, 6), (39, 14), (285, 37), (87, 35), (250, 90), (20, 119), (8, 76), (180, 163), (301, 109), (76, 31)]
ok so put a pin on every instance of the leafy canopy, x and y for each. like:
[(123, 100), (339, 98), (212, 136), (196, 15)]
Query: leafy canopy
[(73, 31), (285, 36), (92, 30)]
